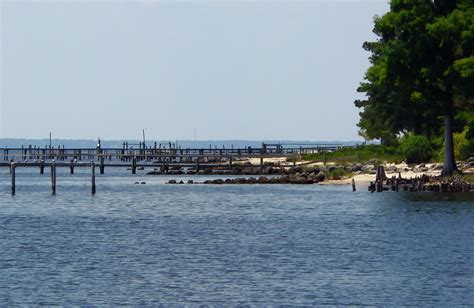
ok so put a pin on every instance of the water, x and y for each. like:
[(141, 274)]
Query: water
[(205, 244)]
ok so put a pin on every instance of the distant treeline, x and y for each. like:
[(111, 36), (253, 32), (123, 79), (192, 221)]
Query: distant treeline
[(89, 143)]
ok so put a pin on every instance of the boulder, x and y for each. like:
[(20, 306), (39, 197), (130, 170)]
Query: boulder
[(251, 180), (368, 167), (356, 167), (297, 168), (172, 182), (240, 180), (207, 171), (320, 177), (373, 162)]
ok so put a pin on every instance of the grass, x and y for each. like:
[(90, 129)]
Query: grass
[(468, 177), (359, 154), (337, 174)]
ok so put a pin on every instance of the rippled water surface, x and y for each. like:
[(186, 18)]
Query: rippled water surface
[(230, 244)]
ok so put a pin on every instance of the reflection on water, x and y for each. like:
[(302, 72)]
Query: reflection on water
[(277, 244)]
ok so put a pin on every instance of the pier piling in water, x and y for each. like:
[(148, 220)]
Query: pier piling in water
[(134, 165), (41, 166), (102, 165), (93, 178), (53, 178), (353, 185), (12, 172)]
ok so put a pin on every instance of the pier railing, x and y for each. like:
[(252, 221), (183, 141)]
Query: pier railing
[(125, 154)]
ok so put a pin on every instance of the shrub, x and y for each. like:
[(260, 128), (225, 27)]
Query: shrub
[(466, 148), (416, 149)]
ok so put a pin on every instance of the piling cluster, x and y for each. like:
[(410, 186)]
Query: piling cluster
[(421, 183)]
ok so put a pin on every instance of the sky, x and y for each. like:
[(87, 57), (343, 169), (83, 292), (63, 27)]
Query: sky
[(211, 70)]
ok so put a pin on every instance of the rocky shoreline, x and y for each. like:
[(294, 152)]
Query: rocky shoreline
[(271, 174)]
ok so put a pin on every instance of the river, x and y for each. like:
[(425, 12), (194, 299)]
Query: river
[(154, 243)]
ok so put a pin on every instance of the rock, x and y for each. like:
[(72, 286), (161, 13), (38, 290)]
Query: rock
[(262, 180), (422, 165), (297, 168), (368, 168), (142, 182), (470, 159), (172, 182), (137, 183), (274, 180), (320, 177), (313, 170), (251, 180), (236, 171), (356, 167), (190, 182), (240, 180), (218, 181), (469, 164), (298, 181), (180, 182), (207, 171), (154, 172), (373, 162)]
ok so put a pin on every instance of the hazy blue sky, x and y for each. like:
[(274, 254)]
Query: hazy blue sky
[(229, 69)]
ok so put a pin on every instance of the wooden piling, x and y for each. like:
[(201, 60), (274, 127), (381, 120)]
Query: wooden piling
[(230, 162), (53, 178), (134, 165), (353, 185), (102, 165), (42, 166), (12, 172), (93, 178), (371, 187), (379, 185)]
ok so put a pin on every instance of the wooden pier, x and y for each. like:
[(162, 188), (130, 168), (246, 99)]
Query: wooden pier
[(143, 153), (164, 158)]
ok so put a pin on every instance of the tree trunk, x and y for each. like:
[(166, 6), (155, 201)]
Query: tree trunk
[(449, 167)]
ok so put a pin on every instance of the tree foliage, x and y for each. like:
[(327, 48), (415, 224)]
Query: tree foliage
[(422, 70)]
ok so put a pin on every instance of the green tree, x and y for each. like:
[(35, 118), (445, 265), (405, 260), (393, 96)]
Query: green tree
[(422, 69)]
